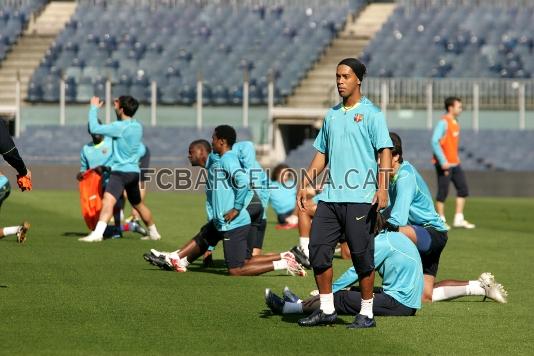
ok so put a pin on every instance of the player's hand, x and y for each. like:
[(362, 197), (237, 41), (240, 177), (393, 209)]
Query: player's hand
[(301, 199), (95, 101), (445, 167), (380, 199), (101, 169), (231, 215), (25, 182), (79, 176)]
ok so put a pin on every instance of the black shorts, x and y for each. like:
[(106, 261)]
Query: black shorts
[(333, 220), (144, 164), (257, 230), (234, 243), (457, 176), (282, 217), (350, 302), (124, 181), (5, 190), (430, 259)]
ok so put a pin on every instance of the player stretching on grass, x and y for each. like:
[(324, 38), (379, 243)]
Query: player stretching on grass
[(413, 214), (127, 135), (353, 135), (24, 180), (226, 193)]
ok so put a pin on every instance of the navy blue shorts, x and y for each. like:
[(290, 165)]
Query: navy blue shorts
[(353, 221), (457, 176), (436, 241), (124, 181)]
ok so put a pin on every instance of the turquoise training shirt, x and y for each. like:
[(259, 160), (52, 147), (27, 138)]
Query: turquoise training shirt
[(351, 138)]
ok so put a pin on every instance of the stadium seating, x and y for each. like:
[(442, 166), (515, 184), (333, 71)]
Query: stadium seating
[(456, 41), (134, 45), (52, 144), (14, 15), (509, 150)]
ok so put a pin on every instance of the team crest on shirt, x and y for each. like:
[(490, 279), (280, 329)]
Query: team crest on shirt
[(358, 117)]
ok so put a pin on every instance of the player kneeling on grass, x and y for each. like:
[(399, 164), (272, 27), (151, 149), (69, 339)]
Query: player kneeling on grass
[(9, 152), (397, 261), (226, 193), (127, 134), (94, 158)]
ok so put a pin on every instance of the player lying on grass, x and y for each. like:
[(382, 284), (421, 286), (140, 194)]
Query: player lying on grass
[(96, 156), (412, 212), (126, 134), (9, 152), (398, 263), (226, 192)]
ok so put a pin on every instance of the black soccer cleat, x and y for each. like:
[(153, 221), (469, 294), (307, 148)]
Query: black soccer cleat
[(318, 318), (289, 296), (158, 261), (301, 257), (362, 322), (274, 302)]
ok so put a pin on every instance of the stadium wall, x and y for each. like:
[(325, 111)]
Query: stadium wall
[(496, 184)]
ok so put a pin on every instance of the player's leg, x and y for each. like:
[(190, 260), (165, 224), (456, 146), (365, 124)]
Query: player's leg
[(360, 220), (462, 192), (255, 211), (325, 233), (485, 286), (349, 302), (260, 237), (19, 230), (134, 196), (443, 190), (430, 252)]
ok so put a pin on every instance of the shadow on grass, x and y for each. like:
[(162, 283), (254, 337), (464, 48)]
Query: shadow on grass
[(75, 234), (292, 318)]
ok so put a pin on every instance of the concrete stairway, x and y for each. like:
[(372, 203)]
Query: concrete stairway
[(316, 89), (25, 56)]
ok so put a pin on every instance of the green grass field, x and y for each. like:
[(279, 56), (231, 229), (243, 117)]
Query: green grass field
[(61, 296)]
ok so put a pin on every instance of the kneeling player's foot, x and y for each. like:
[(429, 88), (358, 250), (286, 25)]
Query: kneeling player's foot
[(274, 302), (92, 237), (464, 224), (175, 263), (136, 227), (286, 226), (296, 269), (318, 318), (288, 256), (496, 292), (301, 257), (21, 232), (160, 262), (151, 237), (362, 322), (291, 297)]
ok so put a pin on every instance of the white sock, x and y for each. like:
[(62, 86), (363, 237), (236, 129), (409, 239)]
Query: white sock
[(292, 220), (442, 217), (458, 217), (475, 288), (367, 308), (100, 228), (304, 242), (184, 262), (292, 308), (327, 303), (152, 230), (11, 230), (281, 264), (448, 292)]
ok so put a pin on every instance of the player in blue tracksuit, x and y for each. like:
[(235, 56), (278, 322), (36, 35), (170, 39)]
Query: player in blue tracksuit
[(97, 155), (398, 263), (126, 134)]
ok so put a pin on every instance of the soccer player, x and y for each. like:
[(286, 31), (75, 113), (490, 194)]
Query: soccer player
[(283, 197), (397, 262), (412, 212), (353, 135), (127, 134), (96, 155), (258, 197), (445, 141), (24, 180), (226, 193), (144, 164)]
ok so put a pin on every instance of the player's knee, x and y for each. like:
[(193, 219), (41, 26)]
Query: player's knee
[(363, 263), (463, 192), (236, 271), (321, 256), (427, 297)]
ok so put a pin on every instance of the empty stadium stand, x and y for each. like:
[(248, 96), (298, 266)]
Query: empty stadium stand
[(134, 45), (456, 40)]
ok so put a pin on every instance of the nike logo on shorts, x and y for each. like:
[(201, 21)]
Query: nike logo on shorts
[(361, 217)]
